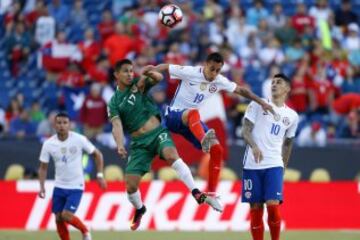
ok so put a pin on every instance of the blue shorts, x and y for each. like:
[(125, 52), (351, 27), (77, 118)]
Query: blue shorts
[(66, 199), (261, 185), (173, 122)]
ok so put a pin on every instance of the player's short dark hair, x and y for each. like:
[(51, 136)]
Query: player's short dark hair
[(122, 62), (283, 77), (62, 114), (215, 57)]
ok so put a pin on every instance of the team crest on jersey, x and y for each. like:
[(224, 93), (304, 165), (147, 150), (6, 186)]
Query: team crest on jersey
[(277, 117), (134, 89), (63, 150), (212, 88), (73, 150), (203, 86), (286, 121), (248, 195)]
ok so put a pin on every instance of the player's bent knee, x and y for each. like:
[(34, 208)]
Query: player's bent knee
[(66, 215), (256, 205), (170, 155), (58, 217), (272, 202)]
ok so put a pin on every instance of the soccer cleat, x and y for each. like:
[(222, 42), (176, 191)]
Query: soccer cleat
[(209, 199), (205, 142), (137, 218), (87, 236)]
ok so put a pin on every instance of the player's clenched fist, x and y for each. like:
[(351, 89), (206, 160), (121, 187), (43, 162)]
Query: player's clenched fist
[(257, 154), (122, 151), (42, 193)]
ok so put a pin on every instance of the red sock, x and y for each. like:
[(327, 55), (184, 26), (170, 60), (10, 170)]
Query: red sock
[(216, 155), (256, 223), (62, 230), (274, 221), (194, 124), (77, 223)]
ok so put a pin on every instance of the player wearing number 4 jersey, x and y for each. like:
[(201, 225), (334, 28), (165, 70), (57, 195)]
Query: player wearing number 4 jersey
[(66, 150), (182, 116), (131, 110), (269, 143)]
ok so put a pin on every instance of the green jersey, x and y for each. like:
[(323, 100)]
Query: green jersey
[(132, 106)]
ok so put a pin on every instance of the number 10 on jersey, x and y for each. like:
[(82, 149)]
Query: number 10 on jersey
[(275, 129), (198, 98)]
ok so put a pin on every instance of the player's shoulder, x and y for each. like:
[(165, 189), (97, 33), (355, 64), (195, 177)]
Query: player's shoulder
[(50, 140), (76, 136), (291, 112)]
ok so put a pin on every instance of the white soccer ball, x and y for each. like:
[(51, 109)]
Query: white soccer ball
[(170, 15)]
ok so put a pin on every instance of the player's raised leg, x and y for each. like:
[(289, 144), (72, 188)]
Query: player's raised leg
[(209, 143), (170, 155), (134, 196)]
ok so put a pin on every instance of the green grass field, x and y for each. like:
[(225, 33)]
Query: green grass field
[(108, 235)]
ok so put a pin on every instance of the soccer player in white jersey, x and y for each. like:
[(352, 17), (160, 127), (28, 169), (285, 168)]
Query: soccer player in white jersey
[(182, 116), (269, 142), (66, 150)]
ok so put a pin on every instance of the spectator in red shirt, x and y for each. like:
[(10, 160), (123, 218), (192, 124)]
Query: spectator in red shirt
[(107, 25), (118, 45), (299, 92), (100, 72), (90, 50), (38, 11), (346, 103), (72, 77), (321, 92), (93, 112), (302, 19)]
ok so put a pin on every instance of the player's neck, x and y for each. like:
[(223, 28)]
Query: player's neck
[(121, 87), (63, 137), (278, 101)]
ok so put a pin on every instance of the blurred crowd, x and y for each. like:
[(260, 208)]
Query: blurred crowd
[(58, 55)]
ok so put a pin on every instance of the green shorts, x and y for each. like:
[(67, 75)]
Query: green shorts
[(144, 148)]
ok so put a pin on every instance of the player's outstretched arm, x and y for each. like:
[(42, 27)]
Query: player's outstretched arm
[(250, 95), (99, 162), (118, 133), (286, 150), (246, 133), (42, 177)]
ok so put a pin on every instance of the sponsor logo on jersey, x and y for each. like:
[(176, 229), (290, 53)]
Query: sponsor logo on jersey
[(192, 84), (73, 150), (134, 89), (286, 121), (212, 88), (203, 86), (63, 150), (277, 117)]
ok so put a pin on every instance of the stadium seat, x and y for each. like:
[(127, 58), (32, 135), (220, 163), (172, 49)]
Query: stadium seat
[(320, 175), (292, 175), (113, 173), (14, 172), (167, 174), (228, 174), (148, 177)]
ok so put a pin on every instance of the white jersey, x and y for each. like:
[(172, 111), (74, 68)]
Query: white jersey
[(269, 133), (194, 89), (67, 157)]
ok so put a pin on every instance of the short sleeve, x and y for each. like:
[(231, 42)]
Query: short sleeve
[(179, 72), (87, 146), (227, 85), (252, 112), (45, 153), (290, 132), (113, 108)]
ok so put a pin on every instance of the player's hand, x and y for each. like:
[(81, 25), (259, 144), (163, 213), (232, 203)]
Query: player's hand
[(102, 183), (148, 68), (257, 154), (42, 193), (268, 108), (122, 151)]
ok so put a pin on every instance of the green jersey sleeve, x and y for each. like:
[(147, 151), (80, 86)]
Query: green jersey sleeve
[(113, 110)]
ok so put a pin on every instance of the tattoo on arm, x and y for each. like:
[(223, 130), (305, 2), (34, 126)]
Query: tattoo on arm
[(286, 150), (246, 132)]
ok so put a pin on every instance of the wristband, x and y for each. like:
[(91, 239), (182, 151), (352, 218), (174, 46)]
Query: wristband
[(100, 175)]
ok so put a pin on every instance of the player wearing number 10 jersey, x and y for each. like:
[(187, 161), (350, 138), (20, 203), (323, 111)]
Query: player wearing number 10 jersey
[(269, 142), (182, 116)]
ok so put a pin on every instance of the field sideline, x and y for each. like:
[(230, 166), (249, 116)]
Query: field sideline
[(149, 235)]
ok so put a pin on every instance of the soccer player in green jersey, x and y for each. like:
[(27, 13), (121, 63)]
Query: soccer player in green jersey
[(132, 110)]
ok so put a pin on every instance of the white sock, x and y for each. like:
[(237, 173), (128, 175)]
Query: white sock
[(135, 199), (184, 173)]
